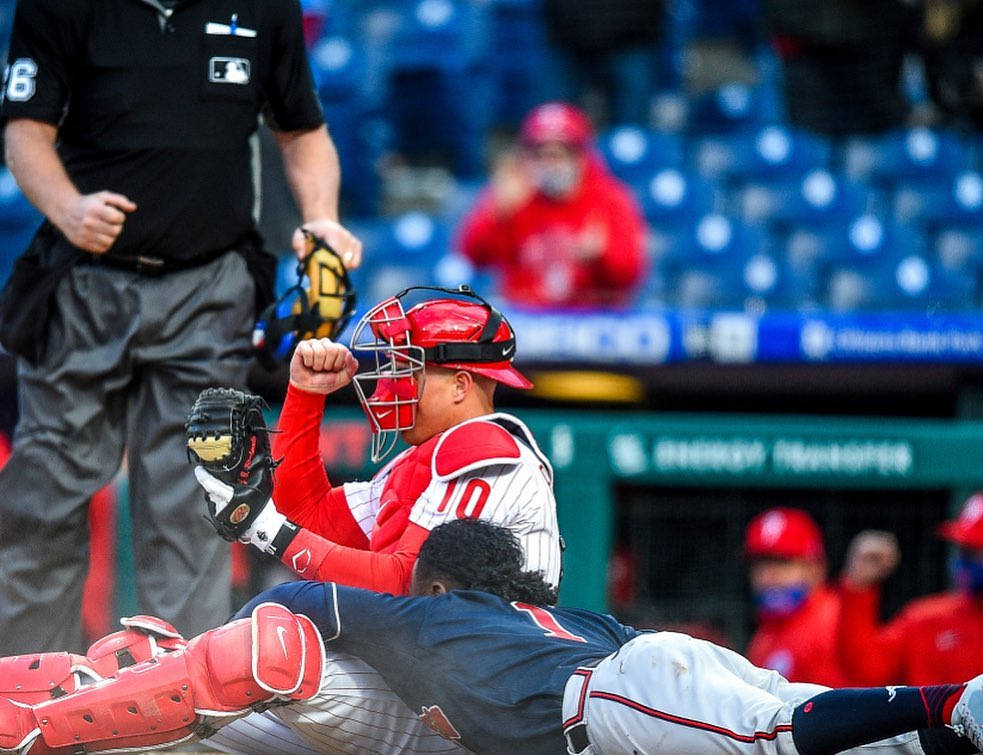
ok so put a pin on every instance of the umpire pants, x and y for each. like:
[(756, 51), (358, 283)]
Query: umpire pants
[(126, 357)]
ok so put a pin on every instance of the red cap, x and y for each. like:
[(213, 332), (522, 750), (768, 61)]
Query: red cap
[(784, 533), (557, 122), (967, 529), (450, 321)]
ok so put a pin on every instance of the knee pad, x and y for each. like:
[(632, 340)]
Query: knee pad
[(142, 638), (36, 677), (272, 657)]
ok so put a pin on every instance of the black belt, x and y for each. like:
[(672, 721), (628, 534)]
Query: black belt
[(151, 266), (577, 737)]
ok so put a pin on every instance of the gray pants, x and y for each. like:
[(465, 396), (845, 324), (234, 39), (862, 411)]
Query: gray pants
[(126, 357)]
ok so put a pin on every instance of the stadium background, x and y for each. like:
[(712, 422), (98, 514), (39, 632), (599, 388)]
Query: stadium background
[(809, 332)]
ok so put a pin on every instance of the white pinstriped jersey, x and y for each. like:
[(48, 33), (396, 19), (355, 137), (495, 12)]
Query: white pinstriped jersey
[(516, 493), (356, 712)]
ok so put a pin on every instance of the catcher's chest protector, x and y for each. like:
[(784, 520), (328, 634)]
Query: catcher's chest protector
[(408, 475)]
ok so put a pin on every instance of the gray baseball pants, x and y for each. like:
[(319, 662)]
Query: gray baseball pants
[(126, 356)]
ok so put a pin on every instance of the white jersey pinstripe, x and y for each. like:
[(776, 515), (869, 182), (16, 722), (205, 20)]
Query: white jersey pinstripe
[(356, 712)]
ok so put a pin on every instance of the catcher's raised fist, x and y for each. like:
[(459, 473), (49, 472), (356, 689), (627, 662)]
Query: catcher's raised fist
[(319, 365)]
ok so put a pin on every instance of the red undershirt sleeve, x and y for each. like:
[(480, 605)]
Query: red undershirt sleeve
[(302, 491), (313, 557)]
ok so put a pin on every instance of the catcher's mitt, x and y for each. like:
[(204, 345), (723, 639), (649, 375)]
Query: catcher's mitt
[(227, 435)]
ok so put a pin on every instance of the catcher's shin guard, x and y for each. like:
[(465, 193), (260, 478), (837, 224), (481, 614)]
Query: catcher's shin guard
[(273, 656), (36, 677)]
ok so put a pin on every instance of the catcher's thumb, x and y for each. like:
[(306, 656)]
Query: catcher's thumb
[(218, 492)]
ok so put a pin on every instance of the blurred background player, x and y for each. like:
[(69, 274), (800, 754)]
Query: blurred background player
[(931, 636), (151, 266), (797, 611), (561, 229), (436, 367)]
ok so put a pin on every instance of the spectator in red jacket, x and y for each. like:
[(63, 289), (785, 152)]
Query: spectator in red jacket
[(931, 636), (559, 227), (797, 610)]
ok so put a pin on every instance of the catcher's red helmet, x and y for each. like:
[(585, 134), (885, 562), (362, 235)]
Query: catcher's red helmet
[(967, 529), (556, 122), (459, 334), (784, 533)]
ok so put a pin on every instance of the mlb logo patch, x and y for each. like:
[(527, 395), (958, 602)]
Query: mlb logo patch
[(222, 70)]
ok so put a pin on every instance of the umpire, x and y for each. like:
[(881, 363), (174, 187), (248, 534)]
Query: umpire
[(128, 124)]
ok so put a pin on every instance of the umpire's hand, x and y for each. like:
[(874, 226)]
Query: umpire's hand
[(339, 238), (93, 222)]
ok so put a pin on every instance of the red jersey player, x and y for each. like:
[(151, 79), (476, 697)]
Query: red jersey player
[(436, 365), (929, 637), (797, 610)]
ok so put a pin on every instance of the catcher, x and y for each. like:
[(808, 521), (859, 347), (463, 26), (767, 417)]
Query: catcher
[(436, 365)]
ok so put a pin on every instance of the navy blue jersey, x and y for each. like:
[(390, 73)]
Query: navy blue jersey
[(465, 661)]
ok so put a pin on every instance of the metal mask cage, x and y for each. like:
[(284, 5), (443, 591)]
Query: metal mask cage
[(396, 359)]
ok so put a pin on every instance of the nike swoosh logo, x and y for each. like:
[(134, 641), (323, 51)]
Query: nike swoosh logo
[(506, 352), (382, 415), (280, 632)]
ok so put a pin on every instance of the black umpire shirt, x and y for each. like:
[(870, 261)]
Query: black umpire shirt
[(158, 104)]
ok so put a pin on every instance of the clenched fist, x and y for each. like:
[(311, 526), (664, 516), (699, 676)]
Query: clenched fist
[(320, 365), (871, 558), (93, 221)]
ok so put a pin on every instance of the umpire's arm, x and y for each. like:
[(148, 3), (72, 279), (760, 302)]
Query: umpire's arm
[(313, 172), (90, 221)]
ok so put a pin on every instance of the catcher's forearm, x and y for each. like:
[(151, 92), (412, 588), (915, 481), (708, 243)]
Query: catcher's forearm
[(313, 557), (310, 161)]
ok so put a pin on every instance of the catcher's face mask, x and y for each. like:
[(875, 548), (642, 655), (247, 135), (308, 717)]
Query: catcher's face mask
[(391, 406), (459, 334), (318, 306)]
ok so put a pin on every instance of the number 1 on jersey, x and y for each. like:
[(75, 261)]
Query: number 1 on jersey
[(546, 621)]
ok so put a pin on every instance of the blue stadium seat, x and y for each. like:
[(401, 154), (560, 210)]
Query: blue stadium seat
[(520, 41), (15, 211), (959, 249), (769, 152), (436, 92), (453, 269), (818, 198), (362, 136), (671, 198), (731, 108), (635, 154), (957, 201), (918, 283), (401, 251), (862, 270), (338, 68), (703, 262), (916, 154), (437, 34)]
